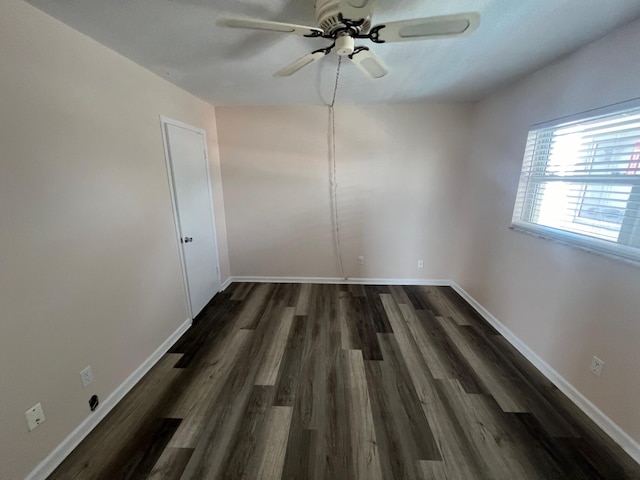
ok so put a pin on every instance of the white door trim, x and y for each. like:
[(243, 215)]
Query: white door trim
[(164, 121)]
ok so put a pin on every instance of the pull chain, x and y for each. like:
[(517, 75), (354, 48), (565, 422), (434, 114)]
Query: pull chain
[(333, 176)]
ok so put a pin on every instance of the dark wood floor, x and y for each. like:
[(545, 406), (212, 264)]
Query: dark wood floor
[(344, 382)]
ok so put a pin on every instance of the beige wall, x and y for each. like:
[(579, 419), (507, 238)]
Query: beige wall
[(564, 303), (398, 171), (89, 267)]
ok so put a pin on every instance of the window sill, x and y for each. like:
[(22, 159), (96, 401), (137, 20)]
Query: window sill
[(567, 239)]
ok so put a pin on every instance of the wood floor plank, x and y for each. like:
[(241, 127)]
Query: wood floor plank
[(522, 388), (450, 362), (171, 464), (416, 297), (330, 409), (254, 306), (357, 290), (347, 336), (499, 386), (566, 459), (398, 294), (453, 443), (333, 444), (242, 290), (434, 363), (299, 459), (365, 331), (245, 445), (411, 355), (221, 428), (291, 361), (304, 402), (435, 470), (304, 297), (320, 337), (446, 302), (375, 309), (397, 456), (195, 406), (287, 293), (440, 305), (406, 405), (484, 427), (469, 314), (140, 466), (224, 419), (298, 462), (268, 372), (366, 460), (268, 462), (211, 325)]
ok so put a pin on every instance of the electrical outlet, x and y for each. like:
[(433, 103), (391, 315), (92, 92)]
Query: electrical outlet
[(420, 263), (361, 260), (596, 366), (35, 416), (86, 376)]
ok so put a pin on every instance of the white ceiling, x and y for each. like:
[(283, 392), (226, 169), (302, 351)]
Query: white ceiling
[(180, 40)]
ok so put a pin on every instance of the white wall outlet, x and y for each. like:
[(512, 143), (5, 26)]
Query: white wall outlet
[(596, 366), (35, 416), (86, 376), (361, 260), (420, 263)]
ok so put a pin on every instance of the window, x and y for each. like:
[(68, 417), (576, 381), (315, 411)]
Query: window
[(580, 181)]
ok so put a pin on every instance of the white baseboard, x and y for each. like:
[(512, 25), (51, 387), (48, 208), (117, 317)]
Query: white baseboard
[(338, 280), (226, 284), (55, 458), (611, 428)]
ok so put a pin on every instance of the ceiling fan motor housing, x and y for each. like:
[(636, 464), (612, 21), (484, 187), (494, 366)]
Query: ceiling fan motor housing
[(330, 12)]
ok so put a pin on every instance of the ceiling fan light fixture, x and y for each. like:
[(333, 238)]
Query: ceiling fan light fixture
[(345, 45)]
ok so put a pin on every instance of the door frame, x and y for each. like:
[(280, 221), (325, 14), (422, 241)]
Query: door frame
[(164, 122)]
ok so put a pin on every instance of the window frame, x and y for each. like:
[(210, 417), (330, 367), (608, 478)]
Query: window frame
[(585, 242)]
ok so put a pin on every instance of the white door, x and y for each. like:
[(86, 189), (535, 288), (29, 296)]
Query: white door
[(191, 188)]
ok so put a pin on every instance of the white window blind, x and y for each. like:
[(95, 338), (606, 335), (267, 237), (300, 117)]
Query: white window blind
[(580, 181)]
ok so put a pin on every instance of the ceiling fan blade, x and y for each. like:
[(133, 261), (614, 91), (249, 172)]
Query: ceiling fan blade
[(267, 26), (355, 9), (458, 25), (298, 64), (369, 63)]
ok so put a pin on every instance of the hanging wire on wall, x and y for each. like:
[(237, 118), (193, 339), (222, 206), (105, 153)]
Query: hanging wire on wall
[(333, 183)]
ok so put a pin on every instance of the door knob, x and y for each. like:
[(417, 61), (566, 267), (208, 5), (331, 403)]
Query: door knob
[(188, 239)]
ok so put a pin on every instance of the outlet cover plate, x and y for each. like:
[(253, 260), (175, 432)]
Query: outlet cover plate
[(596, 366), (86, 376), (35, 416)]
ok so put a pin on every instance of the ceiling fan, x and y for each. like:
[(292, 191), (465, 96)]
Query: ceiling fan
[(344, 21)]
